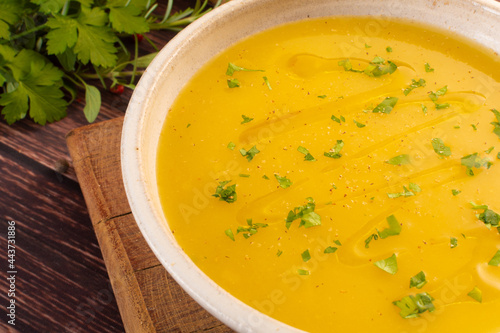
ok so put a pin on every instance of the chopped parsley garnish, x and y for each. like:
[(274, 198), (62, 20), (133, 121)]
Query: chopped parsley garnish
[(251, 229), (360, 125), (305, 151), (474, 161), (393, 230), (376, 67), (488, 216), (386, 106), (322, 96), (495, 261), (335, 151), (229, 233), (265, 177), (283, 181), (367, 46), (369, 239), (440, 148), (227, 194), (418, 280), (428, 68), (308, 218), (496, 124), (406, 192), (337, 242), (303, 271), (399, 160), (389, 265), (250, 154), (489, 150), (279, 253), (306, 256), (435, 95), (424, 108), (231, 68), (337, 119), (474, 127), (330, 249), (476, 294), (266, 81), (442, 105), (188, 125), (231, 145), (411, 306), (388, 49), (245, 119), (498, 155), (453, 242), (455, 192), (244, 175), (414, 84), (233, 83)]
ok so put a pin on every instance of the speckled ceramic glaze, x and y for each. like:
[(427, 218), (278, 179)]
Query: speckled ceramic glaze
[(186, 53)]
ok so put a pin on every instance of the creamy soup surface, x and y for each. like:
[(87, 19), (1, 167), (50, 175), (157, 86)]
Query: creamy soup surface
[(343, 175)]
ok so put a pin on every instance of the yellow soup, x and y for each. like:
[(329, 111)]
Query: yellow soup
[(342, 175)]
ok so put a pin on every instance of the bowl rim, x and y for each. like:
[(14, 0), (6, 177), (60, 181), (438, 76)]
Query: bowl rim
[(231, 311)]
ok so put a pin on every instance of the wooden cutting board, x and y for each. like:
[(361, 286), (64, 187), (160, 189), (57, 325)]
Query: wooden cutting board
[(148, 298)]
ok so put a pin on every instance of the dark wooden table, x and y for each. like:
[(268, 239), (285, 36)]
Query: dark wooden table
[(61, 281)]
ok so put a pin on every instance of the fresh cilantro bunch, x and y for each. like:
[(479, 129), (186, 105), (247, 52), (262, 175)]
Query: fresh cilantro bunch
[(51, 48)]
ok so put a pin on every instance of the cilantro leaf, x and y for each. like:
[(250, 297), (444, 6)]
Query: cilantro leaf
[(375, 69), (440, 148), (231, 145), (474, 161), (386, 105), (476, 294), (279, 253), (245, 119), (306, 256), (338, 120), (393, 230), (414, 84), (227, 194), (50, 6), (389, 265), (231, 68), (303, 271), (305, 151), (308, 218), (335, 151), (411, 306), (455, 192), (283, 181), (399, 160), (495, 261), (250, 154), (418, 280)]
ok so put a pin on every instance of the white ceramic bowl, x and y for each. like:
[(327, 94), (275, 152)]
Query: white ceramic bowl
[(186, 53)]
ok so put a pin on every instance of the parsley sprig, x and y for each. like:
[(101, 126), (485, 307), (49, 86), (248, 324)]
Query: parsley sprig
[(50, 49)]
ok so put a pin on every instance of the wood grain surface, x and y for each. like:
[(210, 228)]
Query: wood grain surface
[(148, 298), (62, 284)]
